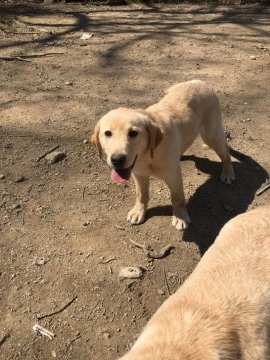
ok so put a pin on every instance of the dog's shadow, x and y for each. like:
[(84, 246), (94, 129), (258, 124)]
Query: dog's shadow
[(214, 203)]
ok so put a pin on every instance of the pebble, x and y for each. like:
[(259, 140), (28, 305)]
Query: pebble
[(16, 206), (130, 272), (106, 335), (161, 292), (2, 176), (20, 179), (55, 157), (41, 261), (253, 57), (86, 36)]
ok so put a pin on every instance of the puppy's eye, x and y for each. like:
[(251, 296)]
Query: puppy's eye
[(108, 133), (132, 133)]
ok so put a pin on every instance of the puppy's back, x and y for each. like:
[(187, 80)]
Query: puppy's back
[(188, 90), (193, 95)]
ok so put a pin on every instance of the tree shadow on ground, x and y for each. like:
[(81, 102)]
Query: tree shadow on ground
[(214, 203), (143, 23)]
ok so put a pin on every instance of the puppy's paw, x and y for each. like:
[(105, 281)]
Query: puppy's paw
[(136, 215), (182, 221), (227, 176)]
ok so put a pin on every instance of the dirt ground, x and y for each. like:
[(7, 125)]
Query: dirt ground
[(63, 229)]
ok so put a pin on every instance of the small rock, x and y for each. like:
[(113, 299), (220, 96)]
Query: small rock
[(16, 206), (86, 36), (20, 179), (85, 141), (106, 335), (2, 176), (40, 208), (41, 261), (261, 47), (161, 292), (53, 353), (253, 57), (130, 272), (55, 157), (69, 83)]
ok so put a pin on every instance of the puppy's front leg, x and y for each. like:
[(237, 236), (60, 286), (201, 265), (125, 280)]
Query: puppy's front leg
[(136, 214), (173, 179)]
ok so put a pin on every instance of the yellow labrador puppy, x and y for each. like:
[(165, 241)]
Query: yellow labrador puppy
[(151, 142), (222, 312)]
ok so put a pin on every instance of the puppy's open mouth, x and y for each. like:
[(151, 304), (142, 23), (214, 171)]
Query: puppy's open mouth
[(119, 176)]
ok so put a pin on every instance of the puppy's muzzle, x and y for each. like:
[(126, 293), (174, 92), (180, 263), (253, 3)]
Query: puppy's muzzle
[(118, 161)]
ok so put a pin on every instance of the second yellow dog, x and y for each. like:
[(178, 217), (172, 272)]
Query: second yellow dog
[(222, 311)]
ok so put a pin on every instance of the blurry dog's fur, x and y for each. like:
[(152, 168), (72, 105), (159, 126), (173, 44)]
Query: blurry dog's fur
[(151, 142), (222, 312)]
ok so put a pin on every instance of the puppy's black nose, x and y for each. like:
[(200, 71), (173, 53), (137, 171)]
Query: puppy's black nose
[(118, 161)]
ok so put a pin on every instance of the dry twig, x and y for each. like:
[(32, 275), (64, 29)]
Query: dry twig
[(266, 187), (58, 311), (143, 247), (166, 283), (4, 338), (108, 260), (152, 253), (22, 23), (11, 58), (40, 330), (83, 193), (47, 152), (161, 253), (25, 57), (72, 340)]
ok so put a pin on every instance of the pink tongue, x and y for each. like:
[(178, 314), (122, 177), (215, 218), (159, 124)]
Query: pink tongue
[(119, 176)]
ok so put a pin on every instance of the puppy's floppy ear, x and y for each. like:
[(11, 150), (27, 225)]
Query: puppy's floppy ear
[(155, 134), (95, 140)]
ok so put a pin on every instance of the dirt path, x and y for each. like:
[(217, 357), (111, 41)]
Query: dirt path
[(62, 226)]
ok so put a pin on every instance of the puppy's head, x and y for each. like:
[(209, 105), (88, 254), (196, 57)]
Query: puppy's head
[(124, 135)]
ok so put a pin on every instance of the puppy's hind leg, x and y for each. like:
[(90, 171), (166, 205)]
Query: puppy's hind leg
[(213, 135)]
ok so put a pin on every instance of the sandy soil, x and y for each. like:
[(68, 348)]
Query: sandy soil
[(63, 231)]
